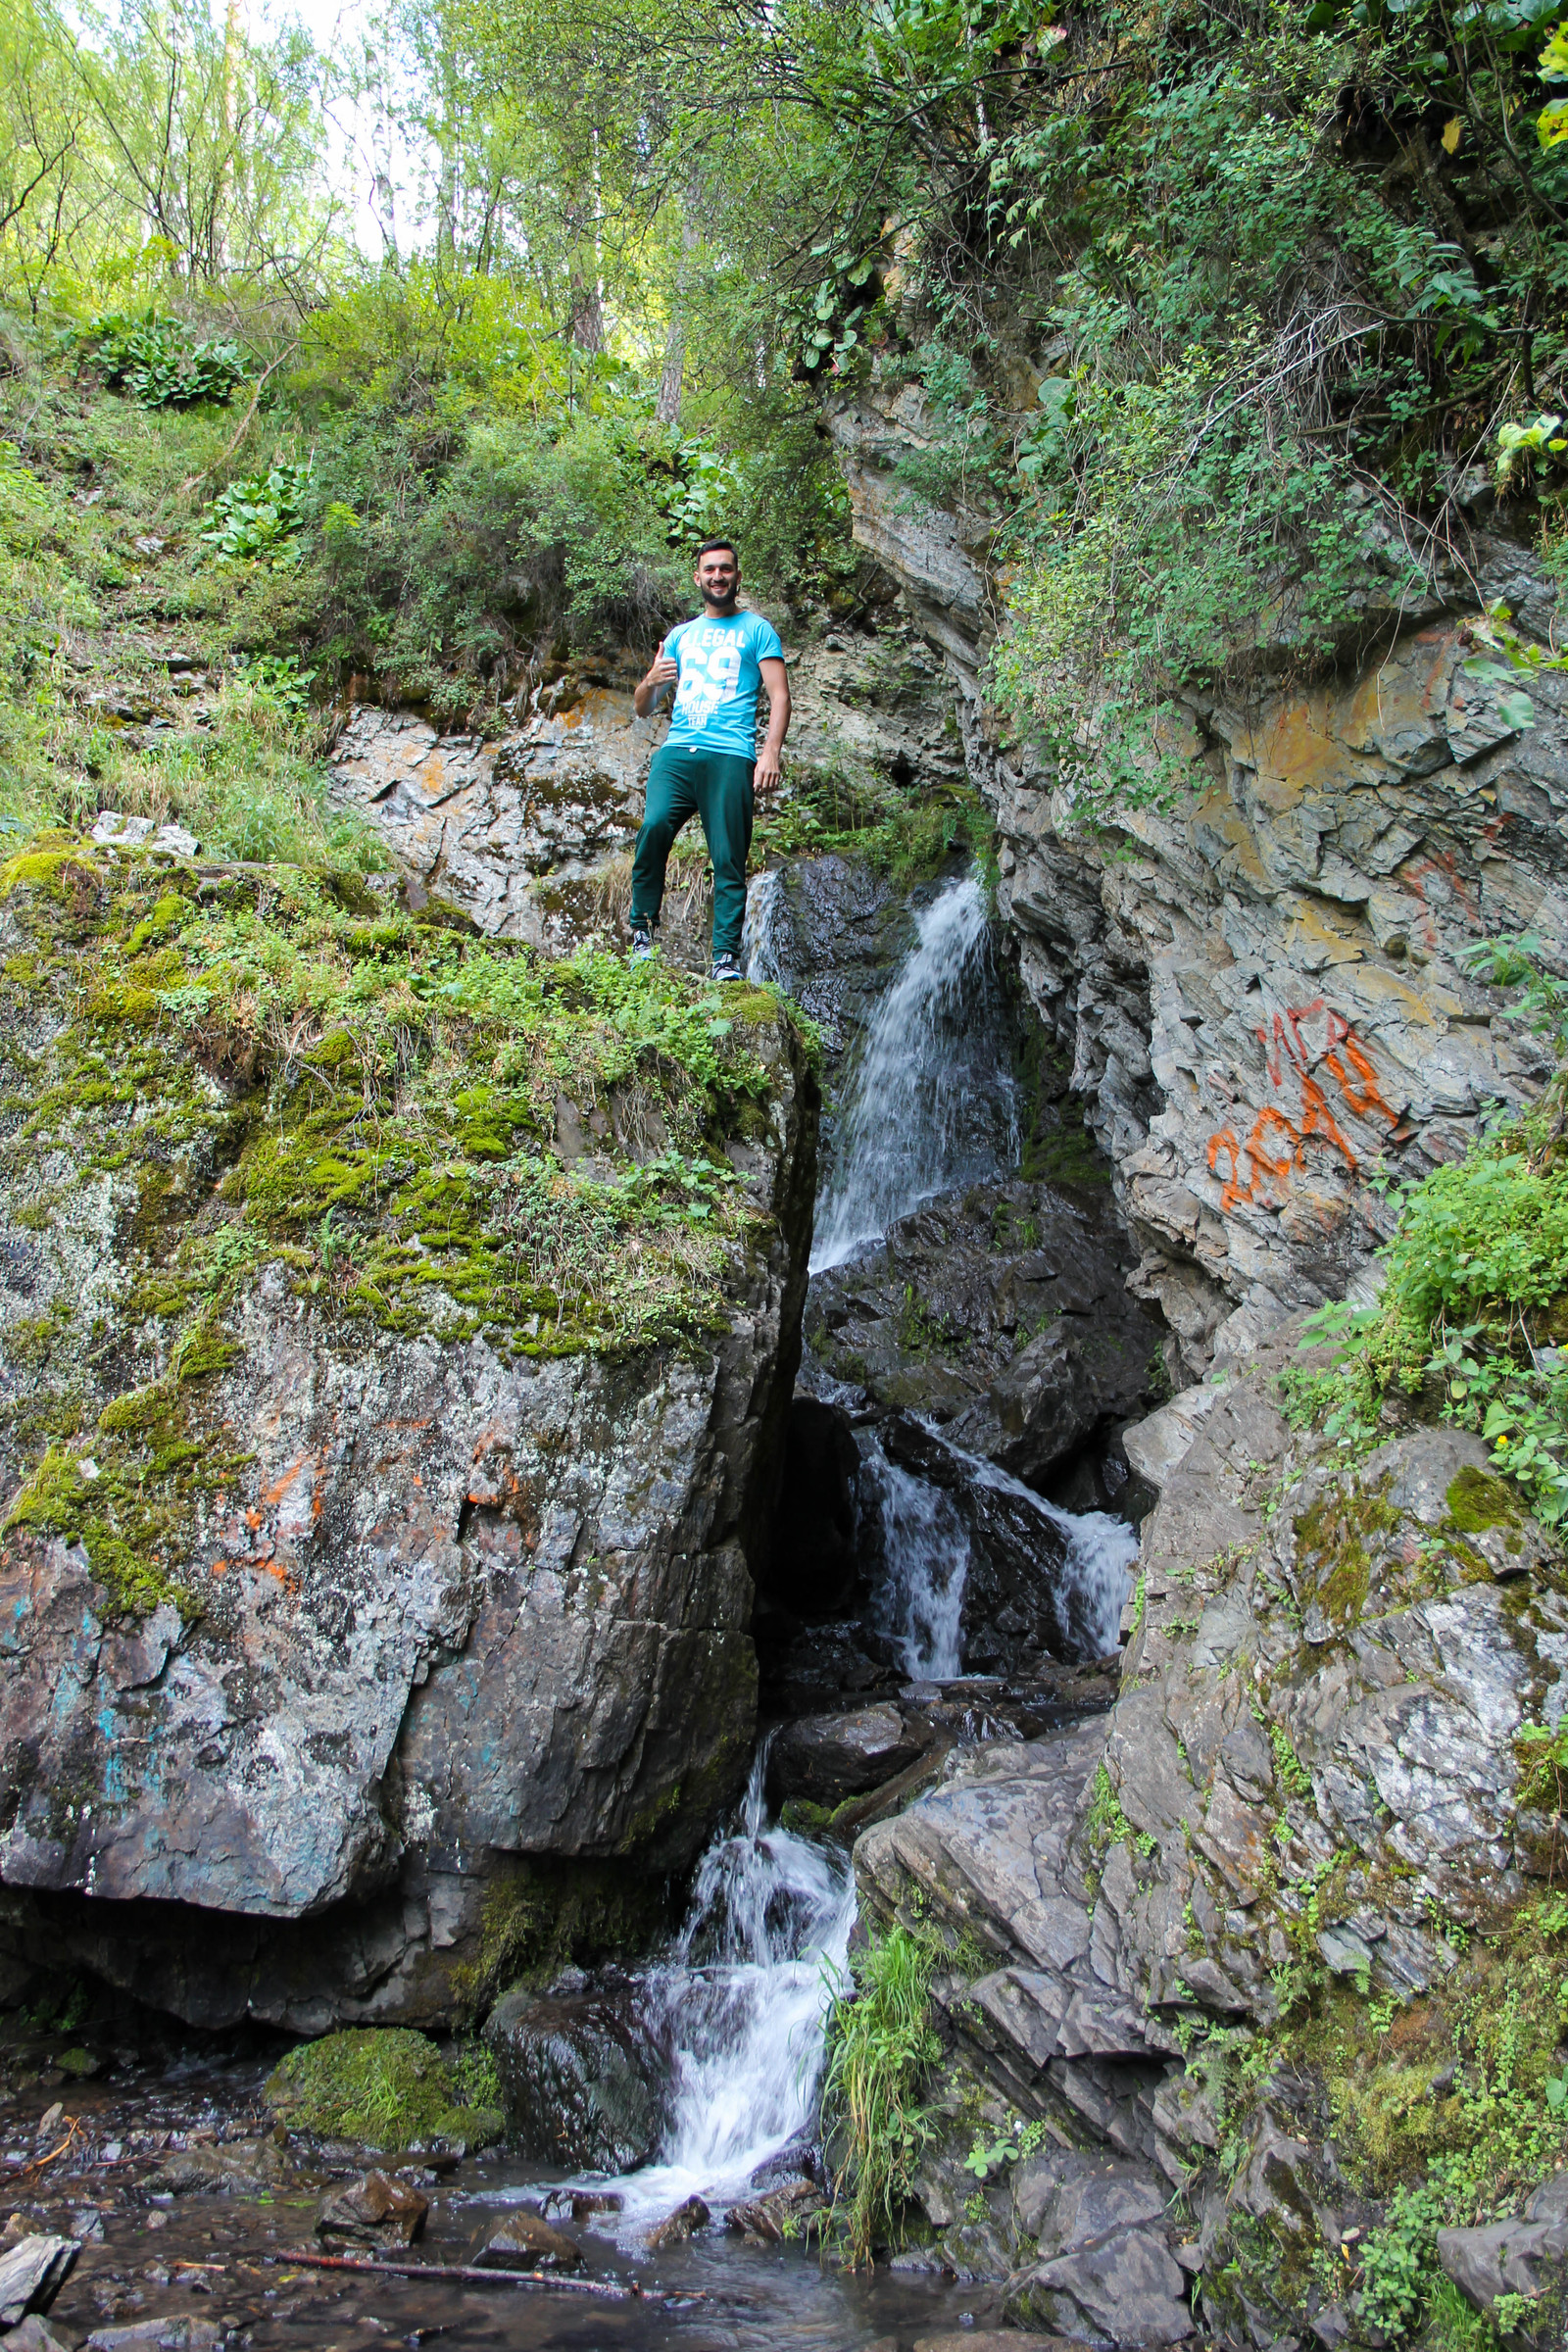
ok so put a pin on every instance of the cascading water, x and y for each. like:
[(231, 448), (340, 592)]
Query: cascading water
[(762, 936), (935, 1103), (925, 1553), (740, 2005), (1098, 1574)]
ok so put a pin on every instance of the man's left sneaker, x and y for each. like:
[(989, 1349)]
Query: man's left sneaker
[(642, 942), (727, 967)]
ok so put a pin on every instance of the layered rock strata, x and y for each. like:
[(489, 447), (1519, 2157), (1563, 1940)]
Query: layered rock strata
[(1318, 1772), (1262, 987)]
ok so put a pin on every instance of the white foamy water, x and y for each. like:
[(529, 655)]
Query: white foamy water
[(934, 1104), (1101, 1551), (741, 2004), (925, 1552), (765, 933)]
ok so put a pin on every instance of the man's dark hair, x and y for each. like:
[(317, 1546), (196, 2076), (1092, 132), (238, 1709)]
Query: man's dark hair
[(711, 547)]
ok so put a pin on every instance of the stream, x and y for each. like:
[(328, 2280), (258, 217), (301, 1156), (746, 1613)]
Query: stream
[(740, 1998)]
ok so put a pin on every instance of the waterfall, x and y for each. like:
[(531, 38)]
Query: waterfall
[(934, 1104), (764, 935), (919, 1604), (925, 1552), (1102, 1549), (740, 2005)]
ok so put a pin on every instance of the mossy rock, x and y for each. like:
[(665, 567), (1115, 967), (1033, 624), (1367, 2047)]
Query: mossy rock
[(221, 1075), (1478, 1501), (386, 2088)]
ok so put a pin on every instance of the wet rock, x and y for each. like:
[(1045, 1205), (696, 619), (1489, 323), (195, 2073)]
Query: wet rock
[(583, 2204), (35, 2334), (829, 1757), (577, 2080), (33, 2273), (1123, 2290), (838, 932), (235, 2168), (1003, 1314), (813, 1569), (374, 2212), (785, 2213), (170, 2333), (677, 2226), (524, 2241)]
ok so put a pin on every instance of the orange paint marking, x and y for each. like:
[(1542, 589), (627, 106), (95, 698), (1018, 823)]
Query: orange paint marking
[(274, 1496)]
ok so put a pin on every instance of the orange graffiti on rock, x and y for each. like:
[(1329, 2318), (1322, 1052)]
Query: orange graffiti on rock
[(1276, 1145)]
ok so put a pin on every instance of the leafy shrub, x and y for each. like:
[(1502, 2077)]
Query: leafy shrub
[(276, 681), (880, 2045), (1398, 2260), (159, 364), (259, 520)]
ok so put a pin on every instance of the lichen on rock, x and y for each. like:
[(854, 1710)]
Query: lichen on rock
[(396, 1331)]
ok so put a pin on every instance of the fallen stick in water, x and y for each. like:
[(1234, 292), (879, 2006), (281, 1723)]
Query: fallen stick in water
[(472, 2275)]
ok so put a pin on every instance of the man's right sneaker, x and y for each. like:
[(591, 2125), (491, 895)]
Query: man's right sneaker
[(642, 942)]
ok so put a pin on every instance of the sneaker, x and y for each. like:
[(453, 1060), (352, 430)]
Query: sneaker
[(727, 967), (642, 942)]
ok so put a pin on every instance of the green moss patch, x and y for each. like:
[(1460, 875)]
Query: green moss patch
[(1337, 1542), (210, 1071), (1477, 1502), (386, 2089), (548, 1911)]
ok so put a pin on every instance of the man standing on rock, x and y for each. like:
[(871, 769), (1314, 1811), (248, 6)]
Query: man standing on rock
[(708, 763)]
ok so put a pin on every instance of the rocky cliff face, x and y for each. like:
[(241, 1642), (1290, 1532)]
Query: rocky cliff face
[(528, 832), (356, 1565), (1262, 990), (1180, 1939)]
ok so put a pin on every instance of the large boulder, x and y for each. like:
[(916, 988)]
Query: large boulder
[(1003, 1314), (577, 2079), (381, 1471), (826, 1758)]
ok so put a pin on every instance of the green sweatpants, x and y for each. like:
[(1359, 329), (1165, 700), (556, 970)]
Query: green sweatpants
[(686, 781)]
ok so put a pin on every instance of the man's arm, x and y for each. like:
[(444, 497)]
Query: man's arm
[(664, 673), (776, 679)]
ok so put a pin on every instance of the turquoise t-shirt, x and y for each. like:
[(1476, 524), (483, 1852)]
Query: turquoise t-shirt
[(720, 677)]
